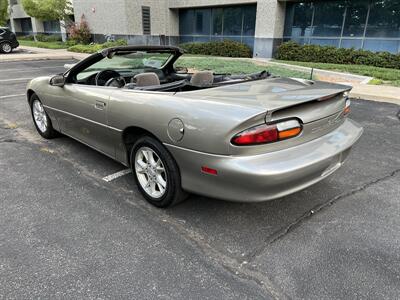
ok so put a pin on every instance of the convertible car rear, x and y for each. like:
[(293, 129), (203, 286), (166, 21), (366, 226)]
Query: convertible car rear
[(250, 137)]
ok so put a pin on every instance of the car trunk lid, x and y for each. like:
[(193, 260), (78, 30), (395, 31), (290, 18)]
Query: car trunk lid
[(280, 97)]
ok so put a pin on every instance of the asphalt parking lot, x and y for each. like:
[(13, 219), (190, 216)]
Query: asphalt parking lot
[(65, 232)]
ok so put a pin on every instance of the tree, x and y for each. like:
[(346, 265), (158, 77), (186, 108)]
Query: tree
[(3, 12), (49, 9)]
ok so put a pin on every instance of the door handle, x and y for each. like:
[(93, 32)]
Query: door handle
[(99, 105)]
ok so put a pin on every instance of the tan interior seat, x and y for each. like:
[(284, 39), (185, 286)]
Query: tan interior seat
[(202, 79), (146, 79)]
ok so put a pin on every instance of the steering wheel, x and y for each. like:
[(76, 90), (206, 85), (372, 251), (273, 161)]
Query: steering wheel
[(116, 82), (103, 76)]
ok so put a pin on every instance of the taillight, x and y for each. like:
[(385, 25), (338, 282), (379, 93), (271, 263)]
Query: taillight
[(263, 134)]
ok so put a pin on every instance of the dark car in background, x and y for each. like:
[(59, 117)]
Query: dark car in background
[(8, 40)]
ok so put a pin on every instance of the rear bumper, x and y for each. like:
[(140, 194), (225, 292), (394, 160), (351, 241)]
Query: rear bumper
[(270, 175)]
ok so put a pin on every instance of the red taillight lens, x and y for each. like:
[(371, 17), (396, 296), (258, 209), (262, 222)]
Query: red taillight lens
[(257, 135), (264, 134)]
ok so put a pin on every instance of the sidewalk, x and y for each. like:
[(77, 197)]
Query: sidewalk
[(25, 53), (381, 93)]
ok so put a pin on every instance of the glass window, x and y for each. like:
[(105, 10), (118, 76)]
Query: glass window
[(356, 16), (51, 26), (328, 18), (217, 15), (232, 21), (185, 39), (382, 45), (384, 19), (351, 43), (186, 18), (325, 42), (202, 21), (298, 19), (26, 25), (249, 20)]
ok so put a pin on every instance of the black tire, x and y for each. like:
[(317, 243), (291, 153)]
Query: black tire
[(173, 193), (6, 47), (50, 132)]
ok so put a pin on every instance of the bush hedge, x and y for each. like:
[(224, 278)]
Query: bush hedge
[(224, 48), (48, 38), (328, 54), (93, 48)]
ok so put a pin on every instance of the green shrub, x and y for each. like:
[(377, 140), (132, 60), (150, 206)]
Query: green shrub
[(328, 54), (93, 48), (80, 32), (48, 38), (225, 48), (26, 38)]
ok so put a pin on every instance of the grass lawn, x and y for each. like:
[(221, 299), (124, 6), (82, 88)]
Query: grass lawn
[(381, 75), (48, 45), (223, 65)]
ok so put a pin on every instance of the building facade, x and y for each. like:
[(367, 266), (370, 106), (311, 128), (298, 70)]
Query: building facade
[(23, 25), (262, 24)]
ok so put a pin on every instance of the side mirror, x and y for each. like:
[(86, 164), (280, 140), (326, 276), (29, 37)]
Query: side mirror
[(58, 80)]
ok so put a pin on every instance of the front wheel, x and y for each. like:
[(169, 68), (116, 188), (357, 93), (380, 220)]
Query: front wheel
[(41, 119), (156, 173), (5, 47)]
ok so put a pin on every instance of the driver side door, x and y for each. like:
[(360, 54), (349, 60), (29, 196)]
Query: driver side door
[(82, 114)]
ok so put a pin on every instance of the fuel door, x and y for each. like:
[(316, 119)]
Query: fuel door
[(176, 129)]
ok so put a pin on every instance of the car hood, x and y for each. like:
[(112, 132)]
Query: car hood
[(271, 93)]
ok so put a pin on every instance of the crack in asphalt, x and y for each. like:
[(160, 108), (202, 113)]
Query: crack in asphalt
[(284, 231), (8, 141)]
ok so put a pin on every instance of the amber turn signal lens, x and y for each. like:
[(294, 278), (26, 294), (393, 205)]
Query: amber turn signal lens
[(289, 133), (346, 110)]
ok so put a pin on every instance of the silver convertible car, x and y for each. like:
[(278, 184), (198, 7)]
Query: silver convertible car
[(251, 137)]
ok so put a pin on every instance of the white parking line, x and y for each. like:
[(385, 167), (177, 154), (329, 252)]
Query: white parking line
[(11, 96), (27, 69), (15, 79), (116, 175)]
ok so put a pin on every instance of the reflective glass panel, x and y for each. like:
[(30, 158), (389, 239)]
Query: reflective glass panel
[(350, 43), (384, 19), (232, 21), (216, 24), (202, 21), (186, 18), (382, 45), (325, 42), (298, 19), (249, 20), (356, 15), (328, 18)]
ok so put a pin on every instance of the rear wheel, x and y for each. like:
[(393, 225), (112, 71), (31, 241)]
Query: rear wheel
[(5, 47), (156, 173), (41, 119)]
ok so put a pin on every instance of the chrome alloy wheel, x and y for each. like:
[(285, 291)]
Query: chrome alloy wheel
[(150, 172), (39, 115), (6, 47)]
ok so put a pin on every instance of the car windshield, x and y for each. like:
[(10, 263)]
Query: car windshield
[(128, 62)]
